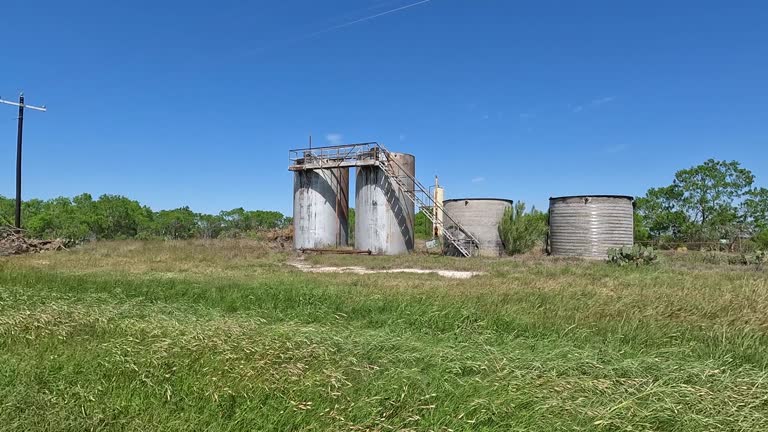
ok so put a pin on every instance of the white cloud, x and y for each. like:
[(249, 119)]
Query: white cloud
[(595, 103), (334, 138), (602, 101), (616, 148), (478, 179)]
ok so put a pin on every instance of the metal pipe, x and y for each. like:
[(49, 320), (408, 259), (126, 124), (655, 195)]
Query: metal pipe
[(338, 251)]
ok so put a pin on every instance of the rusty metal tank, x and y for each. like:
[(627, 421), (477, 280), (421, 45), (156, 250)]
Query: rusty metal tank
[(384, 216), (320, 208), (588, 225), (481, 218)]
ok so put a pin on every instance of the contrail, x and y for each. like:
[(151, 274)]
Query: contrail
[(340, 26), (379, 5), (408, 6)]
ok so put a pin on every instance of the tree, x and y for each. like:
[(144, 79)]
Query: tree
[(177, 224), (30, 209), (6, 211), (755, 209), (118, 217), (59, 218), (660, 213), (235, 221), (263, 219), (702, 203), (210, 226), (641, 232), (708, 191), (761, 239), (520, 232), (239, 221)]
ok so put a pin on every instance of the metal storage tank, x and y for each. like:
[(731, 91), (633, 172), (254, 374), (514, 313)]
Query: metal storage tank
[(320, 208), (589, 225), (384, 216), (481, 218)]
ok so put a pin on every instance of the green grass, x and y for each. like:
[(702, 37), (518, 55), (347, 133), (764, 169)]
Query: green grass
[(224, 336)]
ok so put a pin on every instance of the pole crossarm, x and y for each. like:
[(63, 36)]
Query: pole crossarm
[(26, 106)]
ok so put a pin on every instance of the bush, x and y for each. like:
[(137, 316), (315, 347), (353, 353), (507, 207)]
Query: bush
[(520, 231), (761, 239), (637, 255), (757, 259)]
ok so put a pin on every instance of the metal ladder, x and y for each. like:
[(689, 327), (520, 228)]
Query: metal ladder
[(423, 200)]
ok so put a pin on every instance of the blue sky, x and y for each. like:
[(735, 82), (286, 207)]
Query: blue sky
[(197, 103)]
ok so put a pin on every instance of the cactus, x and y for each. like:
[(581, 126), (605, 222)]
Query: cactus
[(757, 258), (637, 255)]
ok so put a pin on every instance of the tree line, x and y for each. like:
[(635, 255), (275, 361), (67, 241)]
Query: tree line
[(715, 202), (117, 217)]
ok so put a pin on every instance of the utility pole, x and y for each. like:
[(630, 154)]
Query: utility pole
[(19, 135)]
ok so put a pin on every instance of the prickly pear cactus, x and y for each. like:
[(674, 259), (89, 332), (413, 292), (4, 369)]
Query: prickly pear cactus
[(637, 255)]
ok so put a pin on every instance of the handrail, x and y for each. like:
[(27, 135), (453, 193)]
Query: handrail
[(372, 143), (426, 193)]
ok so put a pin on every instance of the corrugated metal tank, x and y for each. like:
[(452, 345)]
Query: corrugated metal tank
[(479, 216), (384, 216), (320, 208), (589, 225)]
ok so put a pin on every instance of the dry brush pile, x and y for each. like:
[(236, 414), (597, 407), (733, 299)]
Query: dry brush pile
[(14, 242)]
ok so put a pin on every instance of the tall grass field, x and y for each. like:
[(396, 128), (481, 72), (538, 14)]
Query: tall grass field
[(227, 336)]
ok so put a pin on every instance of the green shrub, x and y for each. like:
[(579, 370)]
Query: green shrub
[(714, 257), (757, 259), (520, 231), (422, 226), (637, 255), (761, 239)]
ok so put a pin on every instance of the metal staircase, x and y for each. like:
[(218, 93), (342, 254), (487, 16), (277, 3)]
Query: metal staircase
[(464, 242), (374, 154)]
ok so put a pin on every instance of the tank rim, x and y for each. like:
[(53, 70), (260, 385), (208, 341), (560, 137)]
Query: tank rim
[(479, 199), (629, 197)]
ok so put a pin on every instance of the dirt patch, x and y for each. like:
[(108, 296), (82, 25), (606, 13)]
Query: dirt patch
[(453, 274)]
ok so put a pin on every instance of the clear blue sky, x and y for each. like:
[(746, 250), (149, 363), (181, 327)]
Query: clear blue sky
[(196, 102)]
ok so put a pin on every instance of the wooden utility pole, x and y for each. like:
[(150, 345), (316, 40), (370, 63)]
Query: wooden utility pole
[(19, 135)]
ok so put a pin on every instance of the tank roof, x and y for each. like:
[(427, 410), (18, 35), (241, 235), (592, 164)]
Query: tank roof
[(479, 199), (629, 197)]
